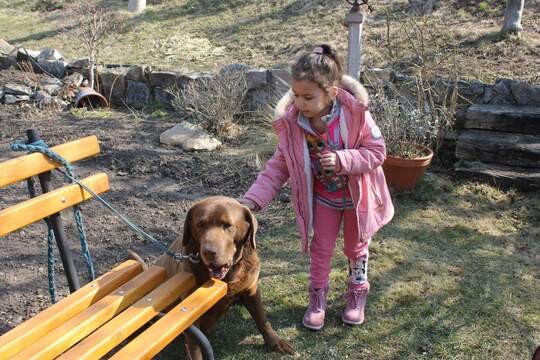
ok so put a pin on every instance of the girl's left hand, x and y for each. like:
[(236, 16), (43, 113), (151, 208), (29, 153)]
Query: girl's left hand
[(329, 161)]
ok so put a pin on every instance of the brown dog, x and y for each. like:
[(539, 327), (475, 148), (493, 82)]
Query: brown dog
[(222, 232)]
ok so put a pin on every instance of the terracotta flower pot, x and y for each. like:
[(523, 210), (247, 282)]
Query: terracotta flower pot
[(403, 174)]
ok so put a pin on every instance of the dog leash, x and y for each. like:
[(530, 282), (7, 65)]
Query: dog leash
[(39, 147)]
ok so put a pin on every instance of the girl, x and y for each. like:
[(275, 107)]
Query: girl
[(331, 149)]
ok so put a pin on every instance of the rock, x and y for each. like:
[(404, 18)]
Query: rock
[(258, 78), (80, 64), (42, 98), (281, 78), (163, 79), (49, 54), (113, 84), (74, 79), (7, 61), (6, 48), (13, 99), (51, 86), (27, 55), (16, 89), (137, 94), (56, 68), (164, 98), (189, 137), (501, 93), (525, 94), (137, 73), (1, 96)]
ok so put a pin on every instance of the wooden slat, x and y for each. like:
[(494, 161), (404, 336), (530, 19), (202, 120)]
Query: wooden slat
[(118, 329), (35, 328), (75, 329), (25, 166), (166, 329), (50, 203)]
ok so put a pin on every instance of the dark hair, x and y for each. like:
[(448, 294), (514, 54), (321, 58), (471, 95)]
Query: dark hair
[(322, 65)]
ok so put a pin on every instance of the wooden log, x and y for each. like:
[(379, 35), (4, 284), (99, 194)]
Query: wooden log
[(503, 175), (35, 328), (515, 119), (23, 167), (499, 147), (44, 205)]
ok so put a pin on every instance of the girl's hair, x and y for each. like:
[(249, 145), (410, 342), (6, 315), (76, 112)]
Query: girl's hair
[(322, 65)]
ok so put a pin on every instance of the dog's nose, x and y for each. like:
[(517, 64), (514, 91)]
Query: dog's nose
[(210, 252)]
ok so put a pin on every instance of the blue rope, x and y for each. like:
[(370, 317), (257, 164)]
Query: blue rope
[(50, 256), (41, 147)]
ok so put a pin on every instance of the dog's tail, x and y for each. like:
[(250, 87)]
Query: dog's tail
[(134, 256)]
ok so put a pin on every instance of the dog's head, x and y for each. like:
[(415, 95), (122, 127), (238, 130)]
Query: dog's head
[(220, 229)]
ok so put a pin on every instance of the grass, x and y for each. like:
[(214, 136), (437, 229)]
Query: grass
[(455, 275), (200, 35)]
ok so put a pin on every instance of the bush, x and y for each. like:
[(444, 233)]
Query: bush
[(50, 5), (213, 102)]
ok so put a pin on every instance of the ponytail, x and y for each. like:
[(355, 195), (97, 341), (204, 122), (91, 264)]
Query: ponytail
[(322, 65)]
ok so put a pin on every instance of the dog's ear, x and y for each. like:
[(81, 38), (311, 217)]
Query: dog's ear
[(252, 231), (187, 239)]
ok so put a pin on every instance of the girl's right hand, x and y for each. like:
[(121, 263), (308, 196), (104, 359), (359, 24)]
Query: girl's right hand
[(250, 204)]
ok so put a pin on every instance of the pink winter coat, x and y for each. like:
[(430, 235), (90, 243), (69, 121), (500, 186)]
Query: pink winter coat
[(361, 161)]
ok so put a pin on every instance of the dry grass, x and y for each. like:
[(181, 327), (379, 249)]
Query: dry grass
[(196, 34)]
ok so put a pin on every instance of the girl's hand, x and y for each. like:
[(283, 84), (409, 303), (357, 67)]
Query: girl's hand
[(330, 161), (250, 204)]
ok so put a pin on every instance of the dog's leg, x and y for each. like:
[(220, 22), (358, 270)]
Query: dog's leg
[(272, 340)]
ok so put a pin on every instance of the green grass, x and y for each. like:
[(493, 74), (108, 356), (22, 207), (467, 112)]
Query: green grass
[(455, 275)]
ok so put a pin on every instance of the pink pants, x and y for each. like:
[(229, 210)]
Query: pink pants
[(326, 224)]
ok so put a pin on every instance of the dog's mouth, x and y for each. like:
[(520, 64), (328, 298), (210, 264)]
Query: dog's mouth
[(218, 271)]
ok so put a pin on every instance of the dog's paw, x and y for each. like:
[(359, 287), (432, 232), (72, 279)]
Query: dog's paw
[(280, 345)]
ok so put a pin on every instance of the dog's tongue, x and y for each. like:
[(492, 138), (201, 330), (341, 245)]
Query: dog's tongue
[(219, 272)]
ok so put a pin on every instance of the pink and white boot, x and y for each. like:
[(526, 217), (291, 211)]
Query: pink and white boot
[(356, 294), (314, 315)]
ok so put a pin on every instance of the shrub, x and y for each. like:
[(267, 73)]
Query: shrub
[(213, 102)]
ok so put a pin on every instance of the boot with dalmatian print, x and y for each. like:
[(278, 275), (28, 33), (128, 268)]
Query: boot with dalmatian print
[(356, 294)]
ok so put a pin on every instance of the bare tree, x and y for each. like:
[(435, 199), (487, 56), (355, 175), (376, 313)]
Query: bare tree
[(512, 16), (92, 23)]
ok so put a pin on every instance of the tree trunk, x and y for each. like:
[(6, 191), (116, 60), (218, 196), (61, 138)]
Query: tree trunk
[(136, 6), (512, 16)]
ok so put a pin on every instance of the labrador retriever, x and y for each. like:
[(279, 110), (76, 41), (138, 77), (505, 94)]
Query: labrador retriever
[(222, 232)]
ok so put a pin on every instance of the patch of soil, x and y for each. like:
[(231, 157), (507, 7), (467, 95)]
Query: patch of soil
[(152, 184)]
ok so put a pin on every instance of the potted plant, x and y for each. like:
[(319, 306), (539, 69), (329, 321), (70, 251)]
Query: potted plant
[(413, 128)]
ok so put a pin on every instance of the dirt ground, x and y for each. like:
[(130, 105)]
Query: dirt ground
[(150, 183)]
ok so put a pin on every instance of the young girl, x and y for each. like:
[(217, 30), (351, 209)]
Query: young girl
[(331, 150)]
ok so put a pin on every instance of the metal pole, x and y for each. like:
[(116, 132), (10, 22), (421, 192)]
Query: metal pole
[(354, 22), (202, 340), (58, 229)]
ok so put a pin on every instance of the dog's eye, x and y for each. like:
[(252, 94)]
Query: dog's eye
[(200, 224), (226, 225)]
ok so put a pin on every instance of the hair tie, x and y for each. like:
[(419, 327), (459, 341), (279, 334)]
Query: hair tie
[(318, 50)]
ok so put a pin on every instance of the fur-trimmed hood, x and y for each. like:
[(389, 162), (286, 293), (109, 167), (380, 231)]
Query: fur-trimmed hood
[(347, 83)]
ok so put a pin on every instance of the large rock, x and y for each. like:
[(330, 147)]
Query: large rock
[(137, 94), (42, 98), (189, 137), (24, 54), (56, 68), (258, 78), (16, 89), (138, 73), (163, 79), (6, 48), (163, 98), (13, 99), (51, 86), (49, 54), (525, 94), (113, 84)]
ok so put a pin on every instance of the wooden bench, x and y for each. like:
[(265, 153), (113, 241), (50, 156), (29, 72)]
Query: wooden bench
[(96, 318)]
